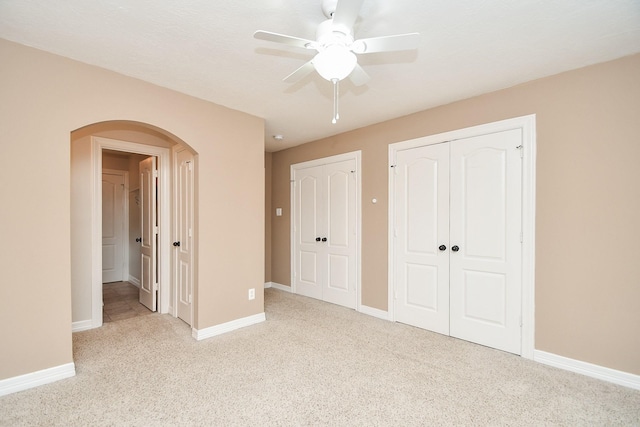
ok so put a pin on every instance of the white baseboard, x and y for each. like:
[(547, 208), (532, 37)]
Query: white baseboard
[(277, 286), (200, 334), (134, 281), (35, 379), (595, 371), (375, 312), (81, 325)]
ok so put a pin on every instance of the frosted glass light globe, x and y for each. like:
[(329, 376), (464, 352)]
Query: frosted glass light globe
[(335, 62)]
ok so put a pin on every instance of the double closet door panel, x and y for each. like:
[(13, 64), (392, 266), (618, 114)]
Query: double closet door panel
[(486, 224), (458, 249), (422, 226), (309, 226), (325, 232)]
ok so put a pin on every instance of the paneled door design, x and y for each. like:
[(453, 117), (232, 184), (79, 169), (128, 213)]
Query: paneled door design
[(183, 234), (149, 227), (486, 225), (325, 232), (422, 224), (458, 253), (113, 227)]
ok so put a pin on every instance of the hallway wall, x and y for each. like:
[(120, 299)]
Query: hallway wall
[(46, 97)]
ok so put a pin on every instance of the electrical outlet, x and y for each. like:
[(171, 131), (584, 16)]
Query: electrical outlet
[(252, 293)]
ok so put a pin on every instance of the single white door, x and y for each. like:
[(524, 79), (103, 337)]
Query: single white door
[(112, 227), (325, 232), (149, 227), (310, 251), (422, 228), (183, 238), (340, 234), (486, 251)]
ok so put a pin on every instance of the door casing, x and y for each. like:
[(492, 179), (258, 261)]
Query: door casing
[(527, 125), (98, 144)]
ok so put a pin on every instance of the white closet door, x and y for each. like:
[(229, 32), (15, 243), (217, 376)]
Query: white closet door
[(340, 226), (309, 226), (486, 224), (458, 255), (422, 229), (325, 232)]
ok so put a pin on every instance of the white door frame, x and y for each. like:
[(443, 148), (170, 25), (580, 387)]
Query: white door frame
[(354, 155), (527, 125), (164, 211), (125, 213)]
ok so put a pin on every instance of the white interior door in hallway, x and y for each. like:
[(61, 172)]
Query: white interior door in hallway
[(183, 233), (149, 227), (458, 225), (325, 229), (113, 226)]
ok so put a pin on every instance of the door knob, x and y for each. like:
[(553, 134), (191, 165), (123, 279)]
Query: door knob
[(455, 248), (176, 243), (138, 239), (442, 247), (317, 239), (324, 239)]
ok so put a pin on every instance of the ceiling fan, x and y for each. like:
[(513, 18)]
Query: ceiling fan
[(337, 48)]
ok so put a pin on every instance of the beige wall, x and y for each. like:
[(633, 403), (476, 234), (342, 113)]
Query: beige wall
[(268, 157), (115, 161), (588, 203), (46, 97)]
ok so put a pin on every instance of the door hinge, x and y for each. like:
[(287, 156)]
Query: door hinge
[(521, 237), (155, 173), (521, 148), (190, 233), (190, 299), (521, 321), (155, 286), (155, 229)]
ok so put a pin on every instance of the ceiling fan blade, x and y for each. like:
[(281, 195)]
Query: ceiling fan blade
[(284, 39), (387, 43), (306, 69), (359, 76), (345, 15)]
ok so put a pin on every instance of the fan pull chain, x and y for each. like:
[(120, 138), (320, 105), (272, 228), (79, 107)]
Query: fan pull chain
[(336, 115)]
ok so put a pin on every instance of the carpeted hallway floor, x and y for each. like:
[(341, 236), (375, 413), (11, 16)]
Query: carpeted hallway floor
[(309, 364)]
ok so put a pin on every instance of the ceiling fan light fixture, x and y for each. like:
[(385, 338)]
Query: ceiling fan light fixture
[(335, 62)]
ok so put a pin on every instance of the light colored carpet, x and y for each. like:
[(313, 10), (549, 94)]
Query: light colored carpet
[(310, 363)]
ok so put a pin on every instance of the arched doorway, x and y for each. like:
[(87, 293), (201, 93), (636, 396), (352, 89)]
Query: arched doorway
[(87, 146)]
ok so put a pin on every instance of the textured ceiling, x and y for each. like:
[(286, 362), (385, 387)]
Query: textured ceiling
[(206, 48)]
